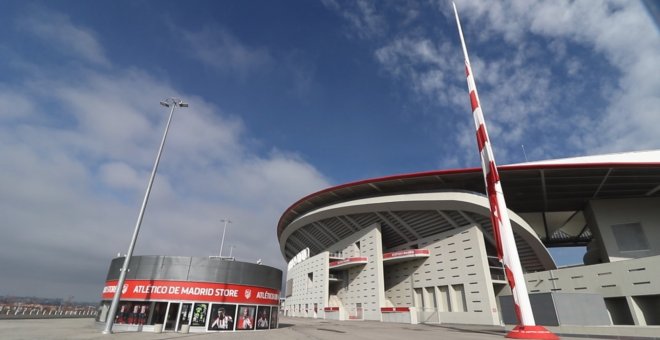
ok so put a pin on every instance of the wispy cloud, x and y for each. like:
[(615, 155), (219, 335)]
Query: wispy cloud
[(565, 76), (604, 28), (57, 31), (362, 15), (219, 49)]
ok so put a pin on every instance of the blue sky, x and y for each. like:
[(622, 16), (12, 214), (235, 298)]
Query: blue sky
[(286, 98)]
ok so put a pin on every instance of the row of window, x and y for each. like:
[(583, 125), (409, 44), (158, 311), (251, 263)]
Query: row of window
[(174, 315)]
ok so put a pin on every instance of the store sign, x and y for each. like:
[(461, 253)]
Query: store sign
[(192, 291)]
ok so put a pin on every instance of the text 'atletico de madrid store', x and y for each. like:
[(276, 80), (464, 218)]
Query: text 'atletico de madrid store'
[(193, 294)]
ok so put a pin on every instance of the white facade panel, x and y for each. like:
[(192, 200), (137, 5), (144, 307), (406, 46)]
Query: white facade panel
[(453, 285), (310, 287)]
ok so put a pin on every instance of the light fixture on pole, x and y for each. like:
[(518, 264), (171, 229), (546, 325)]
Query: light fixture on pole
[(222, 243), (171, 103)]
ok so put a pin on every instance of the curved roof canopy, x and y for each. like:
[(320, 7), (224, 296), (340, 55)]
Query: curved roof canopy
[(565, 185)]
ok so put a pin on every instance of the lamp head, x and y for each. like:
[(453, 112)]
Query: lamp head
[(173, 102)]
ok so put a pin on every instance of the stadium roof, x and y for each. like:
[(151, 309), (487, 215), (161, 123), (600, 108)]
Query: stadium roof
[(562, 185)]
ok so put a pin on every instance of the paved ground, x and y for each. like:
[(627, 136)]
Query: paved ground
[(290, 329)]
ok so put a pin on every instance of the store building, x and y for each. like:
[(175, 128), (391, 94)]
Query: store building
[(193, 294), (419, 247)]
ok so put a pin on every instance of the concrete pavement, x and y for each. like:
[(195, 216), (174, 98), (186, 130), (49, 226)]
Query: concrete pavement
[(290, 329)]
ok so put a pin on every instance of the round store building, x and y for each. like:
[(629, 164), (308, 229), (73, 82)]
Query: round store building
[(193, 294)]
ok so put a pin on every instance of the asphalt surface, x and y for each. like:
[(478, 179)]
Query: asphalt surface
[(290, 329)]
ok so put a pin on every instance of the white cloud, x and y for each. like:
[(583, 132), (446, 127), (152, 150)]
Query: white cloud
[(420, 62), (58, 31), (78, 147), (604, 27), (119, 175), (524, 99), (14, 106)]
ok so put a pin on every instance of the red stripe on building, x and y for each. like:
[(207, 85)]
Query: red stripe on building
[(407, 252), (148, 290), (394, 309), (348, 260)]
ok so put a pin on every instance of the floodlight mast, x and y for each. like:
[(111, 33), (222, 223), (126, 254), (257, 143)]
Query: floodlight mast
[(499, 216), (224, 231), (171, 103)]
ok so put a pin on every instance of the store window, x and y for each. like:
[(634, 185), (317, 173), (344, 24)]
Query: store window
[(158, 316), (200, 315)]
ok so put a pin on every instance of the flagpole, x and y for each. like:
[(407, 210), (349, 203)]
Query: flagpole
[(505, 242)]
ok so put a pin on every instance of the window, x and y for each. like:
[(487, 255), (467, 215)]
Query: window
[(310, 281), (630, 237), (445, 300), (459, 298)]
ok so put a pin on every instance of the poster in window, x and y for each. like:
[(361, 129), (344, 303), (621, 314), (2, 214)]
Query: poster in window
[(199, 314), (245, 318), (222, 317), (273, 317), (263, 317)]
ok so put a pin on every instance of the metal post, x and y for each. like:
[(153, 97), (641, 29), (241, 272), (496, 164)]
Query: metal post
[(222, 243), (171, 103)]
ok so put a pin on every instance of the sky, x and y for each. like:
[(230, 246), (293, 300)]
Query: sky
[(286, 98)]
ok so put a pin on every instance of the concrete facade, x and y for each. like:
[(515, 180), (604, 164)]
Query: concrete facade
[(309, 292), (627, 228), (452, 285)]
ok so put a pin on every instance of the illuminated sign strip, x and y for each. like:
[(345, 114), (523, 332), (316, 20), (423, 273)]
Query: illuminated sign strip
[(192, 291), (395, 309), (406, 253), (350, 260)]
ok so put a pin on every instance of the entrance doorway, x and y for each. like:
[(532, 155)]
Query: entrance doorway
[(170, 319), (184, 315)]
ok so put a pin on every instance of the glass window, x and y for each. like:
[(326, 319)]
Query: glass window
[(222, 317), (199, 316), (263, 317), (245, 318)]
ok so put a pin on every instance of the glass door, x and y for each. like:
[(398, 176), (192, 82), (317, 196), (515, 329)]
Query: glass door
[(184, 315), (171, 317)]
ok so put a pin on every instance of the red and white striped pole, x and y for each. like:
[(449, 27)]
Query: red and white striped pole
[(506, 244)]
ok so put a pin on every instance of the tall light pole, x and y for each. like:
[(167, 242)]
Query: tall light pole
[(171, 103), (222, 243), (231, 248)]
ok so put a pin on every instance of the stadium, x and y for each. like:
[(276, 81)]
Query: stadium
[(419, 247)]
